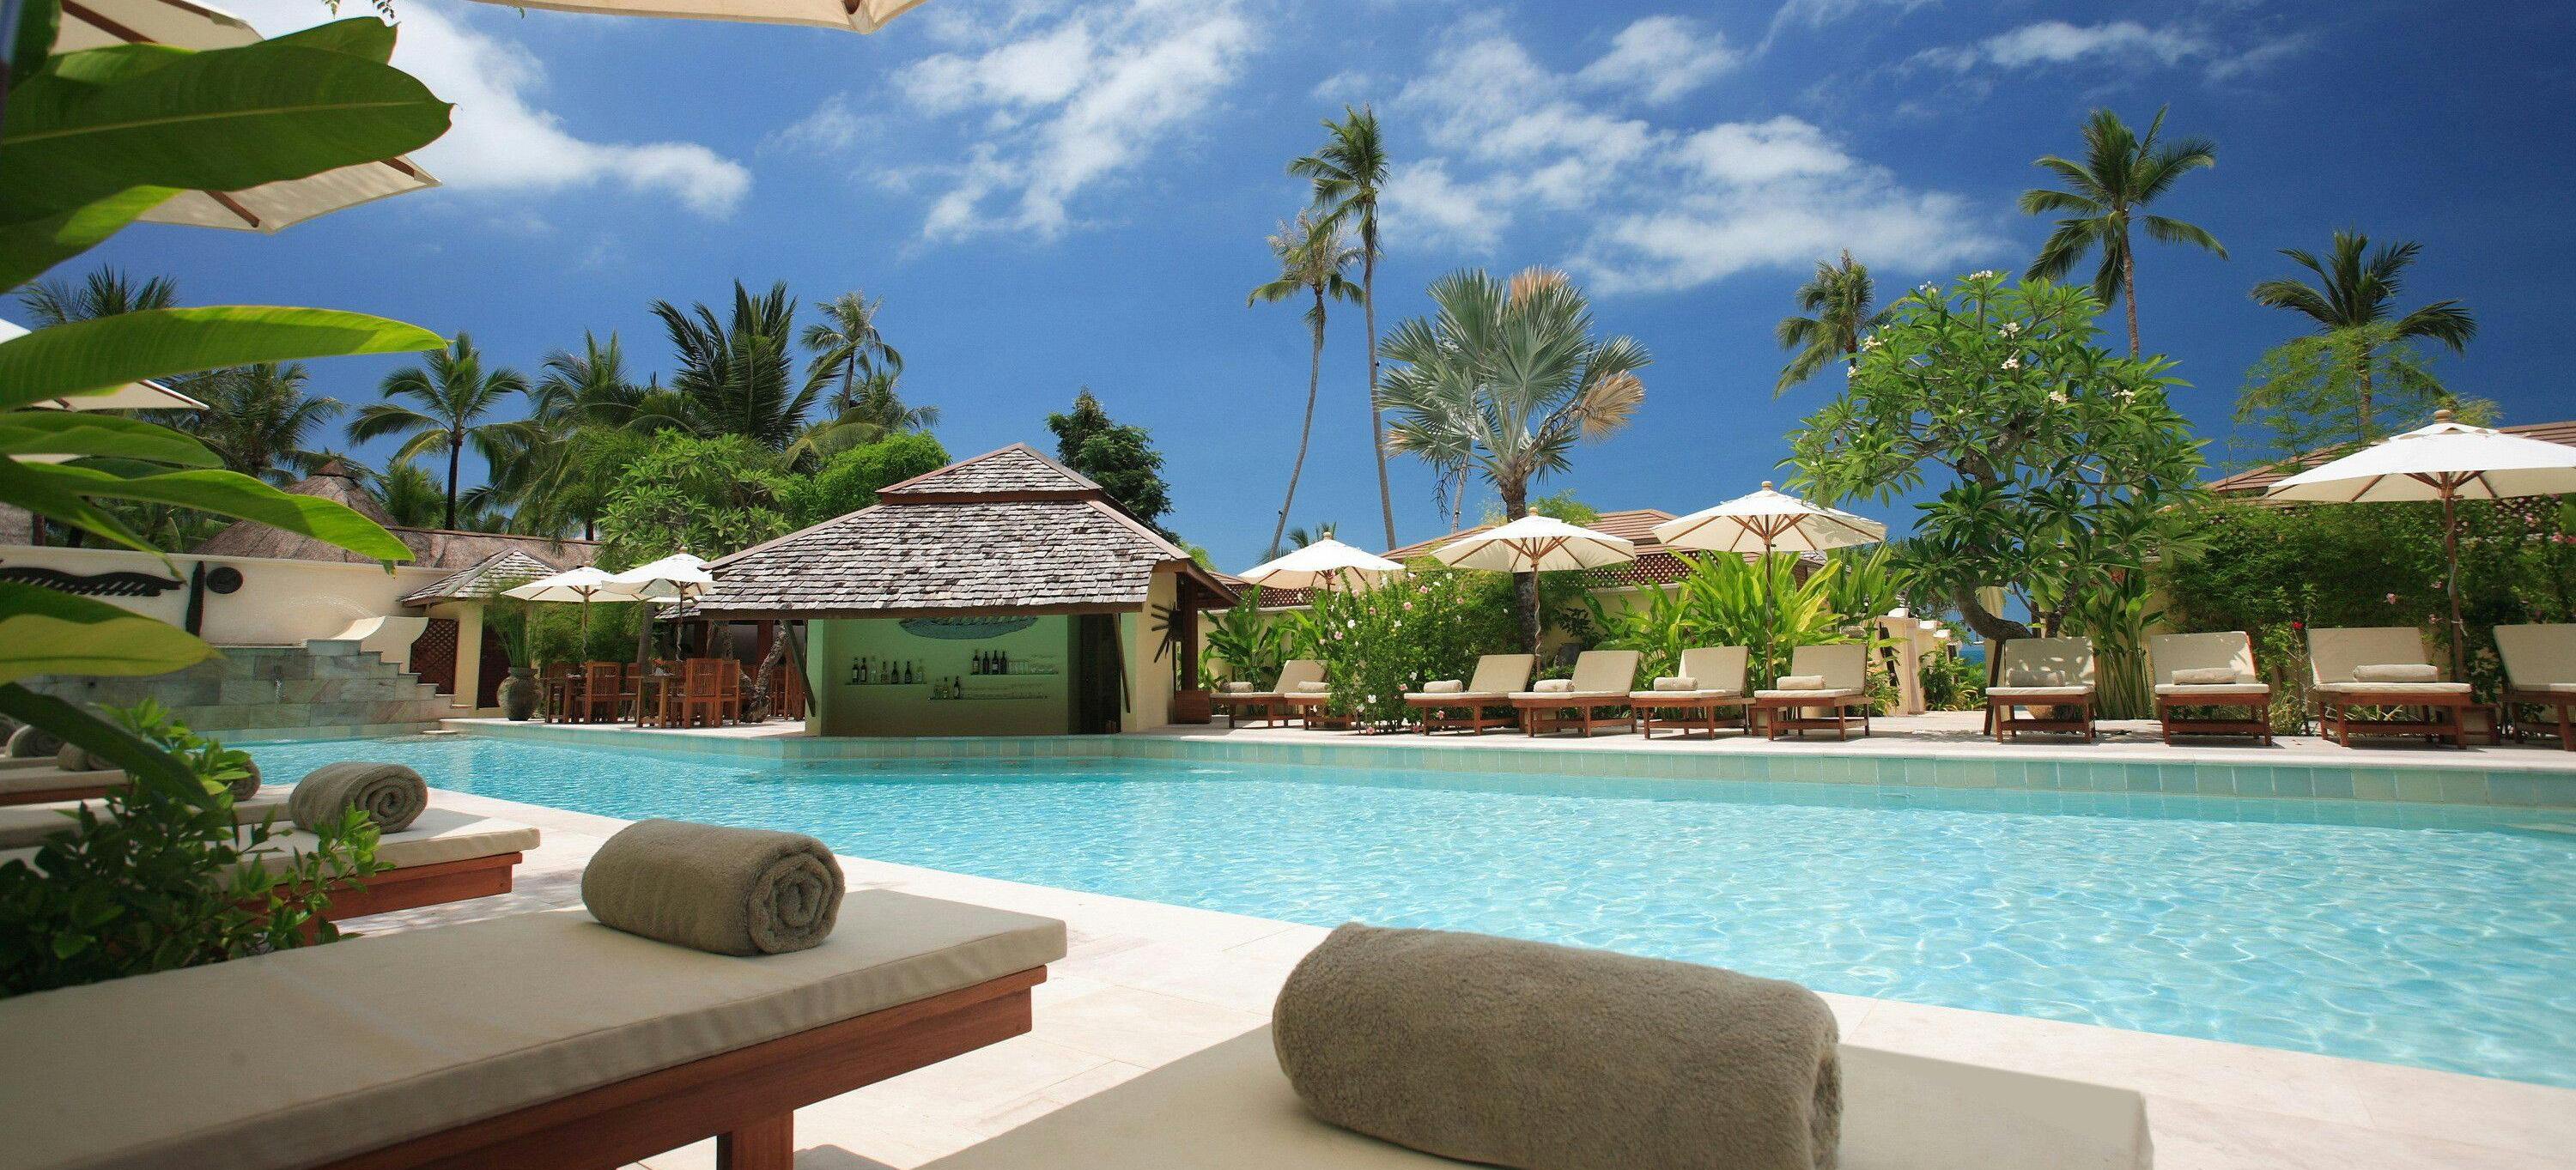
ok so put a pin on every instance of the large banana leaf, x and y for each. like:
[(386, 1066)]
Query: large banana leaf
[(46, 632), (101, 354), (31, 244), (46, 488), (90, 433)]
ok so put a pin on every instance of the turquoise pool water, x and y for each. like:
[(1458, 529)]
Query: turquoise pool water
[(2426, 935)]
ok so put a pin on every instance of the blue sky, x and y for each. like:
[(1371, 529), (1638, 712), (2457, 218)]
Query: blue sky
[(1057, 195)]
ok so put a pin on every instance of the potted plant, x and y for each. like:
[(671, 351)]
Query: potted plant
[(507, 618)]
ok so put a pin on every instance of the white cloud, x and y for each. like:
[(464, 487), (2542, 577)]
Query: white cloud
[(1062, 101), (502, 139), (1662, 58), (2057, 42), (1650, 205), (1816, 14), (833, 127)]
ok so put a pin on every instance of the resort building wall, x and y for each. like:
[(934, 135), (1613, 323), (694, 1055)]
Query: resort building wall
[(273, 603), (1034, 698)]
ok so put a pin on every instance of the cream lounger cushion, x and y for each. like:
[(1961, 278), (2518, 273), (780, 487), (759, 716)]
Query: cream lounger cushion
[(1822, 696), (2037, 692), (2539, 657), (50, 778), (2235, 690), (1230, 1108), (439, 835), (2391, 688), (2397, 672), (418, 1040), (1444, 686), (25, 826)]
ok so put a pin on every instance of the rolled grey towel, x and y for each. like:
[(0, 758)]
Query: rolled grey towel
[(1543, 1057), (390, 794), (31, 742), (248, 786), (75, 758), (715, 888)]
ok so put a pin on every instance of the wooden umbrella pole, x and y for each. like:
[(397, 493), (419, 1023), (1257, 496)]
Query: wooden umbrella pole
[(2451, 585)]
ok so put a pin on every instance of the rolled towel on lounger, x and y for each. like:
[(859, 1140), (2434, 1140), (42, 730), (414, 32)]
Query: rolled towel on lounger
[(31, 742), (1553, 686), (1444, 686), (1544, 1057), (75, 758), (1801, 682), (390, 794), (1314, 688), (2397, 672), (1237, 688), (715, 888), (1676, 682), (2204, 676)]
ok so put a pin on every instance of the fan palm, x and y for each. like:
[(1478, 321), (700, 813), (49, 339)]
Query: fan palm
[(1839, 296), (454, 392), (2121, 174), (1348, 174), (736, 374), (1509, 375), (2354, 288), (1312, 256), (410, 497), (105, 292), (848, 346), (258, 417)]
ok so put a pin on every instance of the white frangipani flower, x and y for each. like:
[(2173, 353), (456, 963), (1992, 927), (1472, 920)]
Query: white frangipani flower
[(2012, 363)]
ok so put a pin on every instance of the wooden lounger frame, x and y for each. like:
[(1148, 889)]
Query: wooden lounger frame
[(746, 1099), (1273, 708), (1475, 720), (1702, 715), (2257, 722), (1999, 713), (414, 886), (2441, 723), (74, 792), (1774, 713), (2559, 701), (1546, 712)]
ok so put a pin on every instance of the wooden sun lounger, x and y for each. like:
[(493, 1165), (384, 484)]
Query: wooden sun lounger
[(2043, 672), (1719, 671), (2540, 671), (1602, 679), (539, 1041), (1845, 669), (47, 784), (2230, 650), (1496, 677), (2333, 655), (1274, 704)]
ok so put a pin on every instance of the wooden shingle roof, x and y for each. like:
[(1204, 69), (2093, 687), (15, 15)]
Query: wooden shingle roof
[(502, 570), (1010, 531)]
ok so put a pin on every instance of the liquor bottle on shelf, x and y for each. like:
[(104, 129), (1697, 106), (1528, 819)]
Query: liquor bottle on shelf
[(1003, 665), (907, 673), (855, 678)]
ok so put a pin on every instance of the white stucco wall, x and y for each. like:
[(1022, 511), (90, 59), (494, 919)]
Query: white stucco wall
[(279, 603)]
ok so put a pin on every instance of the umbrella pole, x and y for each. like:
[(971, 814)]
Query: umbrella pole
[(2451, 584)]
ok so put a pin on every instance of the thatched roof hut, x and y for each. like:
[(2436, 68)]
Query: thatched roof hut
[(431, 548)]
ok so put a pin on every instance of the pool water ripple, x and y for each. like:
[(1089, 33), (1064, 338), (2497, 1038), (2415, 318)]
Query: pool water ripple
[(2428, 935)]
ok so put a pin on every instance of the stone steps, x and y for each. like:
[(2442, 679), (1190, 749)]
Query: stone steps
[(326, 684)]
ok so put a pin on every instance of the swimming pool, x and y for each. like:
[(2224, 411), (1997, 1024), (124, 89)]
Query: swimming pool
[(2439, 936)]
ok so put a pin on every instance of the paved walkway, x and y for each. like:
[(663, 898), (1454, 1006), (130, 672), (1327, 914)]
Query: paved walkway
[(1148, 983)]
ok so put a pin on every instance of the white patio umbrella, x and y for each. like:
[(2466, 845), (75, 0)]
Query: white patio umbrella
[(131, 396), (270, 207), (2447, 461), (1767, 521), (864, 16), (576, 584), (1323, 565), (1536, 544), (673, 579)]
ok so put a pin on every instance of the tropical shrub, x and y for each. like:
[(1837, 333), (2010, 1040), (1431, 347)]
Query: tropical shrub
[(1952, 681), (158, 880), (850, 479), (557, 633), (1250, 645), (687, 493), (1378, 643), (1729, 601)]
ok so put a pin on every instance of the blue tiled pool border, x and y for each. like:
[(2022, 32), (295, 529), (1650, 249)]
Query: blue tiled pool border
[(2458, 784)]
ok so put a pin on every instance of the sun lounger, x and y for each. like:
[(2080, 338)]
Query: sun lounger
[(1270, 703), (2043, 672), (513, 1043), (2202, 657), (1719, 673), (1844, 669), (2335, 657), (444, 856), (48, 783), (1602, 680), (25, 826), (2540, 671), (1230, 1107), (1496, 677)]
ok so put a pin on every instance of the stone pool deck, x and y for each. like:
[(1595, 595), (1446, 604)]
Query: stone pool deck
[(1147, 983)]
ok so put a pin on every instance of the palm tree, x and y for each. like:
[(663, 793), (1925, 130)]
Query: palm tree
[(410, 497), (2121, 174), (1312, 254), (1839, 296), (1509, 374), (258, 418), (1300, 538), (105, 292), (2353, 291), (735, 375), (1348, 174), (454, 392), (847, 345)]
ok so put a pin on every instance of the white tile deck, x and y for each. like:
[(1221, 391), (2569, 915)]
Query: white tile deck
[(1147, 983)]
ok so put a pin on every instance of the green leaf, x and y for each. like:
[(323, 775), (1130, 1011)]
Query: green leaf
[(101, 121), (361, 36), (31, 244), (141, 760), (47, 632), (224, 493), (38, 23), (77, 433), (24, 485), (101, 354)]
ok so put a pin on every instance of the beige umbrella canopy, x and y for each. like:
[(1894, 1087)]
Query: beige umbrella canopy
[(576, 584), (675, 579), (1323, 565), (270, 207), (2447, 461), (1536, 544), (865, 16), (1769, 521)]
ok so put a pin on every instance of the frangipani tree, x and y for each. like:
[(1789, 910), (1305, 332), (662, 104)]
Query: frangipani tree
[(2054, 459)]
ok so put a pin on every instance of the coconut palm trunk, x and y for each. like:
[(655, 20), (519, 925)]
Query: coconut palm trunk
[(1515, 494), (1377, 422), (1305, 432)]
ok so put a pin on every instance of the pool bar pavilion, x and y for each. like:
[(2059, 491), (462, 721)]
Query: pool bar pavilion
[(1000, 595)]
